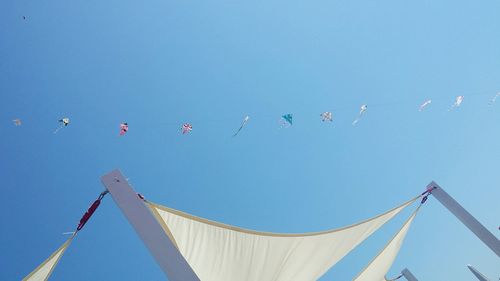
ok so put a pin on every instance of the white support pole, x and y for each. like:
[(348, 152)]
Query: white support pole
[(466, 218), (147, 227), (476, 273), (407, 274)]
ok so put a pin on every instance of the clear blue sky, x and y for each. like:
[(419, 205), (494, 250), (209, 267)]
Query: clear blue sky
[(157, 64)]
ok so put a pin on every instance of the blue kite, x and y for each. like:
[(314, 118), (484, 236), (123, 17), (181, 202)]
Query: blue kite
[(287, 120)]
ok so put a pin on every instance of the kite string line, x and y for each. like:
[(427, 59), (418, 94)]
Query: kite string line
[(342, 108)]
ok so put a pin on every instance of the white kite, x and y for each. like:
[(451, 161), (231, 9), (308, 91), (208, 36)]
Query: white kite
[(494, 99), (424, 105), (245, 120), (458, 102), (17, 122), (64, 122), (362, 111), (326, 116)]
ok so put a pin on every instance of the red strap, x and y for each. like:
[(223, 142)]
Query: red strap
[(90, 211), (427, 192), (88, 214)]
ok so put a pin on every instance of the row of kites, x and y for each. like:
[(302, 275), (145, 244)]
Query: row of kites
[(285, 121)]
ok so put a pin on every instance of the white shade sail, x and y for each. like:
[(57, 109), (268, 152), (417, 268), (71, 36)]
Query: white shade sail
[(380, 265), (44, 270), (219, 252)]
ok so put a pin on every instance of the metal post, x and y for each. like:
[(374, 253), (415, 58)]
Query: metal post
[(477, 273), (147, 227), (407, 274), (466, 218)]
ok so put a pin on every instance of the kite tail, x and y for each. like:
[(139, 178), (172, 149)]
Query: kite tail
[(57, 130), (284, 124), (493, 100), (237, 132), (357, 120), (453, 107)]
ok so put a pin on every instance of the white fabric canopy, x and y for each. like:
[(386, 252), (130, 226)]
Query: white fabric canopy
[(219, 252), (43, 271), (380, 265)]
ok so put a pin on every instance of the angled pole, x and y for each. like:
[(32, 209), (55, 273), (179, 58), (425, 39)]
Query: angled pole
[(407, 274), (477, 273), (465, 217), (147, 227)]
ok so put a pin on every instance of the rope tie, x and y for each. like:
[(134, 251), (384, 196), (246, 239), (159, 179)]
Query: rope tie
[(426, 194)]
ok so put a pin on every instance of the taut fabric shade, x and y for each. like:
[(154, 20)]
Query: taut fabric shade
[(219, 252), (43, 271), (380, 265)]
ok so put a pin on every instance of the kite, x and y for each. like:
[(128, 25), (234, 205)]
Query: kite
[(326, 116), (123, 128), (24, 17), (186, 128), (287, 120), (64, 122), (245, 120), (458, 101), (494, 99), (17, 122), (424, 105), (362, 110)]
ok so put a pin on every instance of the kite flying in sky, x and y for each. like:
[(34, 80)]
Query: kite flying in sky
[(362, 110), (123, 128), (64, 122), (287, 120), (17, 122), (424, 105), (458, 102), (494, 99), (326, 116), (245, 120), (186, 128)]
